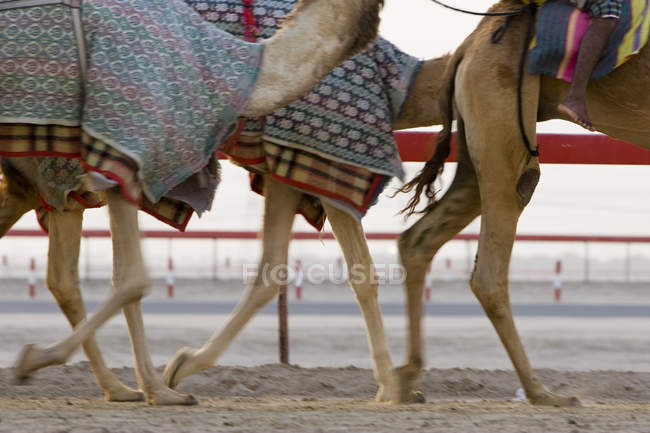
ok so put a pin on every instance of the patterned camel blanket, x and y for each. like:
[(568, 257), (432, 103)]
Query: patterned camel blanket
[(149, 89), (561, 27), (60, 181), (335, 143)]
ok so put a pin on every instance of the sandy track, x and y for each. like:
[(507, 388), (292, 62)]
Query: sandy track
[(276, 398), (289, 416)]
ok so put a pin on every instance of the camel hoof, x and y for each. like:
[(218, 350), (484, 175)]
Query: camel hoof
[(405, 381), (383, 396), (171, 375), (418, 397), (30, 359), (397, 398), (169, 397), (124, 394), (550, 399)]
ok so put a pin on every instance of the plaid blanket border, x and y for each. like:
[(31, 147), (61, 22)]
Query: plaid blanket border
[(353, 188), (20, 140)]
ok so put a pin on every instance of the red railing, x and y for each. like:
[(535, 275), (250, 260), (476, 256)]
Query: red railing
[(417, 146), (314, 236)]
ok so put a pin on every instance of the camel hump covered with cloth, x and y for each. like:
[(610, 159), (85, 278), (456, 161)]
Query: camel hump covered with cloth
[(335, 143), (561, 26), (139, 92)]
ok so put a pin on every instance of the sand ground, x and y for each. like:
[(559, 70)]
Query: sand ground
[(276, 398), (329, 386)]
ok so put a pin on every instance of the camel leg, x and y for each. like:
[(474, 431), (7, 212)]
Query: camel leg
[(153, 386), (62, 273), (363, 279), (280, 204), (419, 244), (489, 280), (507, 176), (132, 287), (63, 283), (13, 205), (130, 281)]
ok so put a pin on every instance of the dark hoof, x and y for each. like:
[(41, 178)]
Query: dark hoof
[(418, 397)]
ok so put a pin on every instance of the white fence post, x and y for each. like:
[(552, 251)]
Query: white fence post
[(298, 280), (557, 282), (170, 278)]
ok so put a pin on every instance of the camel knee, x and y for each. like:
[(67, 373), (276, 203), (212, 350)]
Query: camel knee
[(262, 293), (262, 297), (129, 296), (56, 279), (63, 287), (415, 261), (414, 250), (133, 292), (70, 302), (408, 242), (493, 297)]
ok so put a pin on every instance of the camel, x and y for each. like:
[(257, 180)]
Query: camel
[(281, 202), (314, 39), (496, 174), (18, 197)]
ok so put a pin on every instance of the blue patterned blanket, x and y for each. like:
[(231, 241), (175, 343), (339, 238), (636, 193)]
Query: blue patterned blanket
[(348, 116), (162, 86), (346, 119)]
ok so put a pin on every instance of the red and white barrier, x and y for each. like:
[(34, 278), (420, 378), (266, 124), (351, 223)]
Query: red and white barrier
[(428, 283), (171, 279), (557, 281), (339, 271), (227, 274), (31, 278), (298, 279), (4, 270), (447, 275)]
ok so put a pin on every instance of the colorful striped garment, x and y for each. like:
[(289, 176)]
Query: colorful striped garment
[(561, 27)]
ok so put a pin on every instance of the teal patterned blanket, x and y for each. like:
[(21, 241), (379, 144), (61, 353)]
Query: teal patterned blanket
[(162, 86), (348, 117)]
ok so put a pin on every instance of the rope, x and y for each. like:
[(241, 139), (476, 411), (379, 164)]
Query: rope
[(496, 36), (530, 10)]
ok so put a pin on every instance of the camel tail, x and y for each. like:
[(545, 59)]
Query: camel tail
[(423, 182)]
